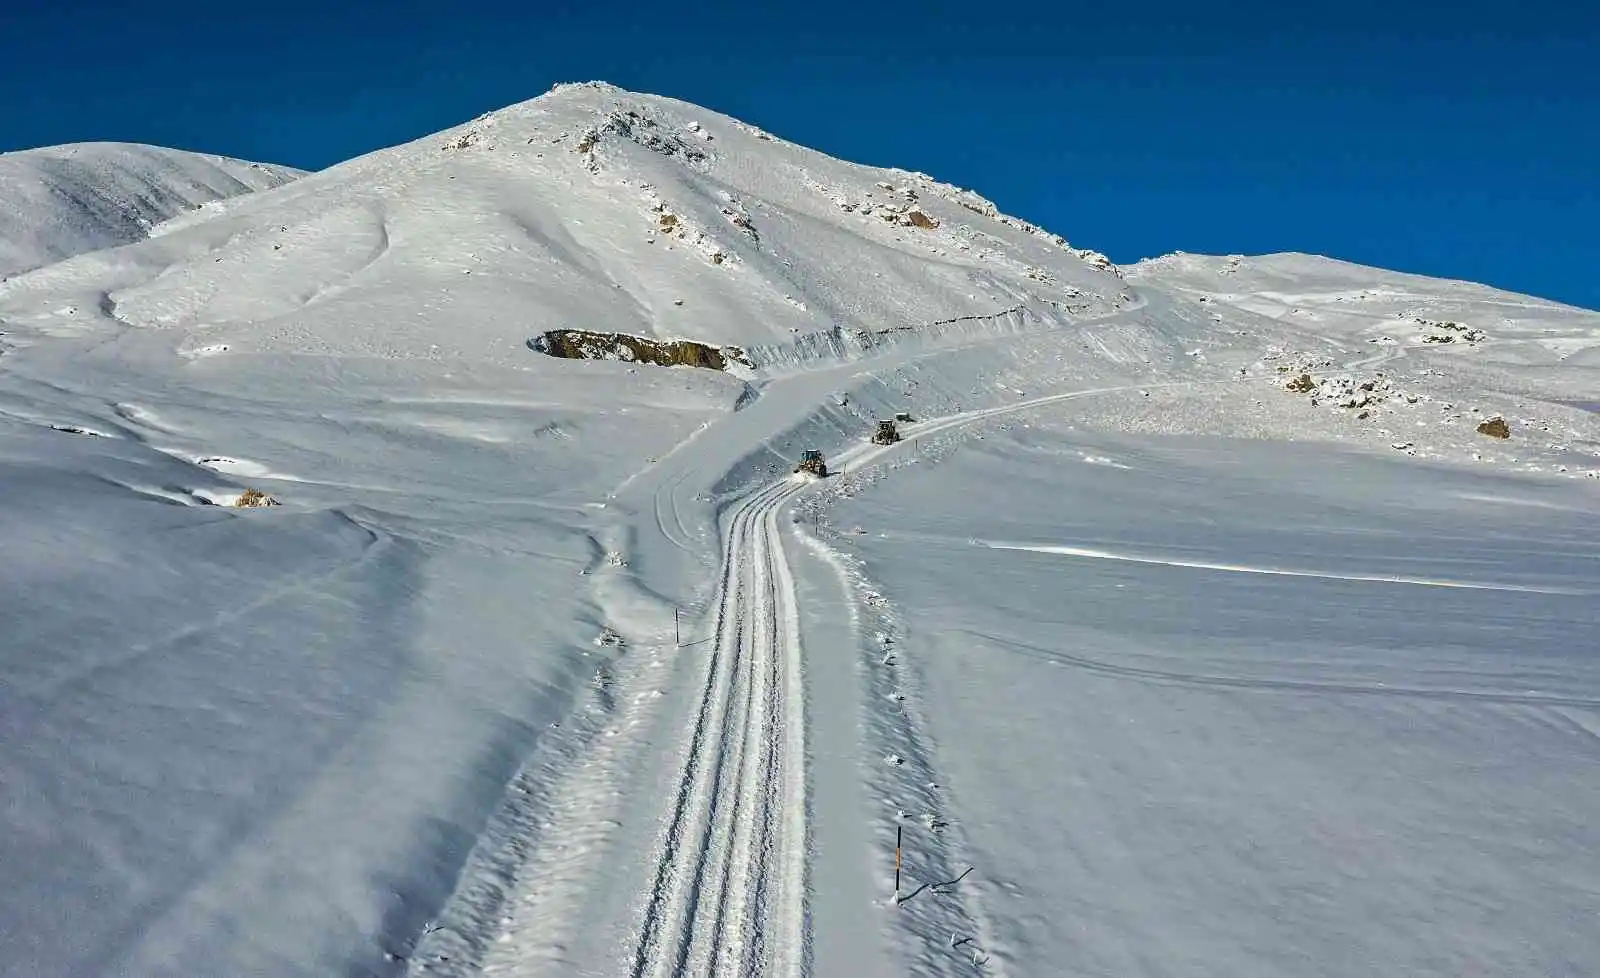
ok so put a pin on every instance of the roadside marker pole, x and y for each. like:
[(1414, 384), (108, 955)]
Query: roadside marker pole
[(897, 863), (677, 636)]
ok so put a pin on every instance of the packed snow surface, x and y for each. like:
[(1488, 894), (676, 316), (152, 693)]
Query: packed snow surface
[(1202, 623)]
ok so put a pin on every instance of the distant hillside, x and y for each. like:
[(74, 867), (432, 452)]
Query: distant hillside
[(62, 201)]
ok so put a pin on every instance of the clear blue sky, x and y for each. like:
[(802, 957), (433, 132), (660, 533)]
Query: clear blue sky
[(1460, 140)]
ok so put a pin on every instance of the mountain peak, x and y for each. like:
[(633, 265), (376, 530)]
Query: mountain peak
[(595, 208)]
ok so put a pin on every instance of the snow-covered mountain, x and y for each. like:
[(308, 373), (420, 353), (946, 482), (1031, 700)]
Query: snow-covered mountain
[(590, 208), (543, 665), (61, 201)]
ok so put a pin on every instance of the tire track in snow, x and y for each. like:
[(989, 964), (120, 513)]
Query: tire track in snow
[(666, 511), (727, 888), (727, 893), (724, 900), (729, 875), (941, 923), (690, 800), (731, 865), (734, 880), (521, 912)]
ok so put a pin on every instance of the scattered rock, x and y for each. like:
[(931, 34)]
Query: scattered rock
[(1495, 427), (1096, 260), (978, 205), (254, 499), (647, 132), (73, 429), (740, 219), (1449, 332)]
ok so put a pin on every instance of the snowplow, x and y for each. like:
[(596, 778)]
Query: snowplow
[(811, 463), (886, 434)]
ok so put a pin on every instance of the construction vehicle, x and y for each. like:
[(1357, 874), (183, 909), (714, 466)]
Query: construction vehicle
[(886, 434), (811, 463)]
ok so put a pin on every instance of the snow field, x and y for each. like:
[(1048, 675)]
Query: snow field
[(428, 715), (1356, 782)]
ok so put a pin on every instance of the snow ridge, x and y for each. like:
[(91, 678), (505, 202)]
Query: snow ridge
[(64, 200)]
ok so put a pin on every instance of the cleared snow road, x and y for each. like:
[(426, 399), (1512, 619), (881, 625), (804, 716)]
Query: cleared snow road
[(708, 744), (728, 895)]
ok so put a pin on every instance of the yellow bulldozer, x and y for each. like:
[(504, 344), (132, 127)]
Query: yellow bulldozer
[(811, 463)]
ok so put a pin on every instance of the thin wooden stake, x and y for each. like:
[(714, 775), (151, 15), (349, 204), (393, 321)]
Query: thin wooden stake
[(897, 862), (677, 636)]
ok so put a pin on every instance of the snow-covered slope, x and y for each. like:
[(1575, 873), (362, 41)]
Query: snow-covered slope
[(1220, 707), (1380, 306), (590, 208), (61, 201), (544, 667)]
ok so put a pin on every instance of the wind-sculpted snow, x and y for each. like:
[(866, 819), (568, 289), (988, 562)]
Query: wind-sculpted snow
[(1192, 608), (64, 200), (1267, 708)]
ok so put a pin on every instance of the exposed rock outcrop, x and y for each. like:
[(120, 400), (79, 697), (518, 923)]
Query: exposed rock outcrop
[(1495, 427), (582, 344)]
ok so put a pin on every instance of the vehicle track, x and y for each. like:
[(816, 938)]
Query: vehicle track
[(725, 891), (667, 513), (724, 887), (728, 889), (725, 882), (727, 896)]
